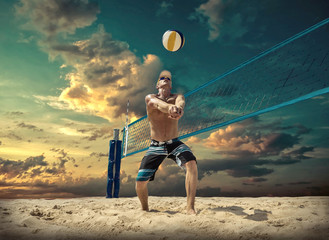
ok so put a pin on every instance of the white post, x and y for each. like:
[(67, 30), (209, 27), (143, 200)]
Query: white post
[(126, 129)]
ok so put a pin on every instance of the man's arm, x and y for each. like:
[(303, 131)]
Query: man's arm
[(180, 101), (178, 109), (156, 103)]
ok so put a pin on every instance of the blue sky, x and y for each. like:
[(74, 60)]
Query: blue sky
[(68, 67)]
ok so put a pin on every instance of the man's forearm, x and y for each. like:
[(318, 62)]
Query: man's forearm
[(180, 105), (160, 105), (180, 102)]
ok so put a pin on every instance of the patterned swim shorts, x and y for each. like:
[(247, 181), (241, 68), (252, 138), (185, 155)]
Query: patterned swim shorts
[(159, 151)]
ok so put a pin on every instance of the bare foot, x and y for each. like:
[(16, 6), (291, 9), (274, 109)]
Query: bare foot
[(191, 212)]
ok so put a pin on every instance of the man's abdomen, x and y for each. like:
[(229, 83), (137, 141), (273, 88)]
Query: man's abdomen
[(164, 131)]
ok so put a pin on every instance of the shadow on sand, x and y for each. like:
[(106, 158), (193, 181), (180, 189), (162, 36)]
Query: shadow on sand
[(258, 215), (168, 212)]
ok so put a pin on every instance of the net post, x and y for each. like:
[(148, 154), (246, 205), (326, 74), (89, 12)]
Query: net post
[(114, 163)]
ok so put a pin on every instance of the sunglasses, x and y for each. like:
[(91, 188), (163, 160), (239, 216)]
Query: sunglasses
[(162, 78)]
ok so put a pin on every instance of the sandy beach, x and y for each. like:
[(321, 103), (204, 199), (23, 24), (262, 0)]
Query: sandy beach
[(217, 218)]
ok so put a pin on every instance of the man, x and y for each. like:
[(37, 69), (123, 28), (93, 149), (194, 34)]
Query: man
[(164, 110)]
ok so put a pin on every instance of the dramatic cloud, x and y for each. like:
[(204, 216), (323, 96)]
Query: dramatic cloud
[(249, 139), (61, 184), (10, 169), (107, 75), (235, 168), (36, 167), (102, 72), (249, 148)]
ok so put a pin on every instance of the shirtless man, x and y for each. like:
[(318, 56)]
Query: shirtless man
[(164, 110)]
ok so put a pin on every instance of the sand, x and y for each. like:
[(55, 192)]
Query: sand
[(217, 218)]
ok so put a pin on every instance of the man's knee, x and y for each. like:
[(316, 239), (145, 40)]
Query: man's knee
[(141, 184), (191, 166)]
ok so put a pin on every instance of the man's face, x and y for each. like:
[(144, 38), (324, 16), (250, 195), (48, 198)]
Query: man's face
[(164, 79)]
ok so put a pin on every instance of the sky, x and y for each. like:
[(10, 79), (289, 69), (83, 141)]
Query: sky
[(68, 67)]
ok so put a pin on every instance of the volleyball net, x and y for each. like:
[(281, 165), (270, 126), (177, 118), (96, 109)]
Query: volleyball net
[(291, 71)]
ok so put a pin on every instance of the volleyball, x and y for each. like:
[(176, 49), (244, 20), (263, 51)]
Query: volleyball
[(173, 40)]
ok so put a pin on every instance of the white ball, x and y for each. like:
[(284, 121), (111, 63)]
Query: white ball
[(173, 40)]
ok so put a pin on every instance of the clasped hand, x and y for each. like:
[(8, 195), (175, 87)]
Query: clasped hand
[(175, 112)]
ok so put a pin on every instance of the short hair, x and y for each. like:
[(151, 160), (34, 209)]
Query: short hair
[(164, 73)]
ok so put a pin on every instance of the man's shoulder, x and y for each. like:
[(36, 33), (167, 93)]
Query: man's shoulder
[(149, 96)]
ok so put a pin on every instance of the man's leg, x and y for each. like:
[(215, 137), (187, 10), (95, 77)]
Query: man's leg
[(142, 193), (191, 185)]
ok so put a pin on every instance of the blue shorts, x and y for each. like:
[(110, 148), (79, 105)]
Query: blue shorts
[(159, 151)]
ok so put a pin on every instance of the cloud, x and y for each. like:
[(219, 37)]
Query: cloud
[(192, 140), (10, 169), (98, 155), (164, 9), (251, 137), (230, 21), (102, 72), (234, 167), (274, 143), (29, 126), (79, 187), (302, 129), (52, 101), (249, 171), (13, 136), (63, 157), (62, 184), (37, 167), (14, 114), (102, 132), (299, 153), (255, 180), (237, 169), (249, 148), (212, 11), (106, 75), (57, 16)]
